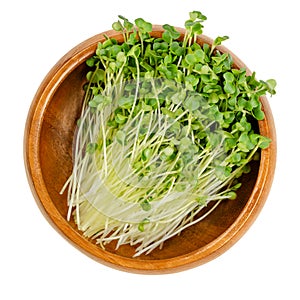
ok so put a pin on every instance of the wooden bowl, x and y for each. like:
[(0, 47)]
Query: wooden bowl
[(48, 142)]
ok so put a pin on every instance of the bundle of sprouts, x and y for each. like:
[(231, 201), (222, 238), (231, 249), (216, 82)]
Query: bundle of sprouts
[(165, 129)]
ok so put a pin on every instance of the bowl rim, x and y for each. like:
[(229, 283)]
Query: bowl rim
[(218, 246)]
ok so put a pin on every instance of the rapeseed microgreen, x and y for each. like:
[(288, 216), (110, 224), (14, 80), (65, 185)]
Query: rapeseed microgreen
[(167, 127)]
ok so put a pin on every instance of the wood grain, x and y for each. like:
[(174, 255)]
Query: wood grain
[(48, 139)]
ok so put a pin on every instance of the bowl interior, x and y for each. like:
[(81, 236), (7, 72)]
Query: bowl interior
[(56, 163)]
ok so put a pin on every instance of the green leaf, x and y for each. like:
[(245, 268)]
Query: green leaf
[(229, 117), (192, 102), (132, 38), (205, 69), (146, 154), (271, 84), (246, 169), (232, 102), (230, 143), (141, 226), (128, 25), (254, 138), (96, 76), (170, 71), (146, 107), (220, 39), (254, 101), (231, 195), (95, 90), (180, 187), (91, 148), (117, 26), (114, 50), (190, 59), (242, 147), (172, 32), (121, 137), (229, 88), (197, 28), (202, 200), (185, 144), (188, 24), (245, 141), (264, 142), (222, 172), (197, 15), (135, 51), (214, 98), (229, 77), (120, 119), (121, 57), (236, 186), (99, 101), (168, 151), (200, 55), (176, 49), (168, 59), (191, 79), (236, 157), (245, 124), (146, 206), (244, 104), (258, 113), (167, 37), (143, 26), (168, 112), (126, 102), (91, 61)]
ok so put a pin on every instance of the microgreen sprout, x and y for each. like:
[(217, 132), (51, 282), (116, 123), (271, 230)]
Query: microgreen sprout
[(167, 128)]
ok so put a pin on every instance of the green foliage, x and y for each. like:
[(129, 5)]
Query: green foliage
[(217, 93), (91, 148), (181, 118)]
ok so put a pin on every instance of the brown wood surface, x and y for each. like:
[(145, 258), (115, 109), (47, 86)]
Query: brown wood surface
[(48, 142)]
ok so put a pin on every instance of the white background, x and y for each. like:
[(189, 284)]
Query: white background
[(37, 263)]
